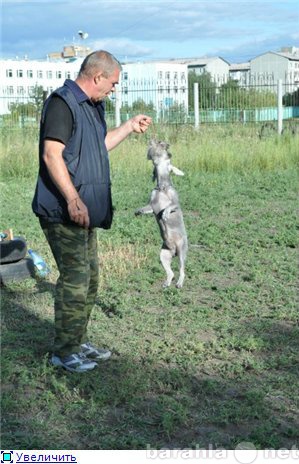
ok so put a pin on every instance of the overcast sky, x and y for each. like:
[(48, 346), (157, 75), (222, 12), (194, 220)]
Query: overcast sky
[(236, 30)]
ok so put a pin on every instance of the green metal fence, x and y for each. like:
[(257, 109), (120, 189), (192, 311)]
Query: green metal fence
[(217, 103)]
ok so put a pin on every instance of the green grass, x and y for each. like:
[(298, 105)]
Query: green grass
[(214, 363)]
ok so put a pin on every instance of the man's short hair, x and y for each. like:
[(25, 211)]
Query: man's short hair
[(99, 61)]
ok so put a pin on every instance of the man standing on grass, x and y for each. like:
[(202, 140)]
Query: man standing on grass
[(73, 198)]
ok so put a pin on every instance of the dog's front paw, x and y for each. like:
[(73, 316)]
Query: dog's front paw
[(165, 215)]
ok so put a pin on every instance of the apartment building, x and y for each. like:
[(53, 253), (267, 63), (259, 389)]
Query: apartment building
[(18, 78), (163, 84), (216, 66), (283, 65), (240, 72)]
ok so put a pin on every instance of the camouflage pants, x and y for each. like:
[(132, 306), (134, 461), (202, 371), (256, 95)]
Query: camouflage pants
[(75, 251)]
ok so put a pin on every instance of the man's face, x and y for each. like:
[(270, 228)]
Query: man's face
[(105, 85)]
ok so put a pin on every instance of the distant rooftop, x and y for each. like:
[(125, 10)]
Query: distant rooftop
[(199, 61), (196, 61), (290, 56), (291, 53), (239, 66)]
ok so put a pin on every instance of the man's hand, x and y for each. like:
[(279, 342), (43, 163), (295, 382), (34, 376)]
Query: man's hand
[(140, 123), (78, 212)]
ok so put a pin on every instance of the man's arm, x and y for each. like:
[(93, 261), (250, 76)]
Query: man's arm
[(137, 124), (60, 176)]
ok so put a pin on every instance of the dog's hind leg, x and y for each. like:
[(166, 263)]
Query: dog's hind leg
[(182, 253), (180, 282), (166, 257)]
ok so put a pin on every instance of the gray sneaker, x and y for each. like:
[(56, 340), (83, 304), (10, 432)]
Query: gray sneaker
[(76, 362), (91, 352)]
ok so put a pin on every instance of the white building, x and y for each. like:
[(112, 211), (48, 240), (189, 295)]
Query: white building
[(163, 84), (282, 65), (239, 72), (19, 77), (216, 66)]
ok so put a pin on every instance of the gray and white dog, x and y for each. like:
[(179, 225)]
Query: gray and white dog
[(164, 204)]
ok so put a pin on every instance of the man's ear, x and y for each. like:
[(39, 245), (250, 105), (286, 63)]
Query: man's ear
[(97, 78), (176, 171)]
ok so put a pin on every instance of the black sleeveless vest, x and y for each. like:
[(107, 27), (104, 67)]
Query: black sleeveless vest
[(87, 161)]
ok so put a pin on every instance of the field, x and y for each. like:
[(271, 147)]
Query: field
[(213, 364)]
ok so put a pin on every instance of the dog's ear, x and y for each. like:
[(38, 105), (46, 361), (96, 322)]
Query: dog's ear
[(176, 171), (164, 145)]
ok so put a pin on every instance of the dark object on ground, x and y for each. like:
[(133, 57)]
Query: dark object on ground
[(16, 271), (13, 250)]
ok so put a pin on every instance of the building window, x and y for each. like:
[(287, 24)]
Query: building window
[(20, 73), (175, 75), (167, 75), (160, 89), (58, 74), (68, 74), (50, 90), (183, 89), (10, 90), (125, 76), (30, 73), (39, 74), (160, 75), (49, 74), (9, 73), (20, 90)]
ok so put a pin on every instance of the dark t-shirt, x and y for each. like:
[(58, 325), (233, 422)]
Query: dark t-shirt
[(58, 123)]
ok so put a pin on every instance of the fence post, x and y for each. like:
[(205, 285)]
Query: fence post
[(196, 106), (279, 106), (117, 108)]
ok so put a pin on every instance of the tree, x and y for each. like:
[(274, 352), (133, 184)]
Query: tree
[(21, 113), (206, 90), (138, 106), (24, 112), (142, 107), (232, 96), (38, 96), (291, 99), (177, 113)]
